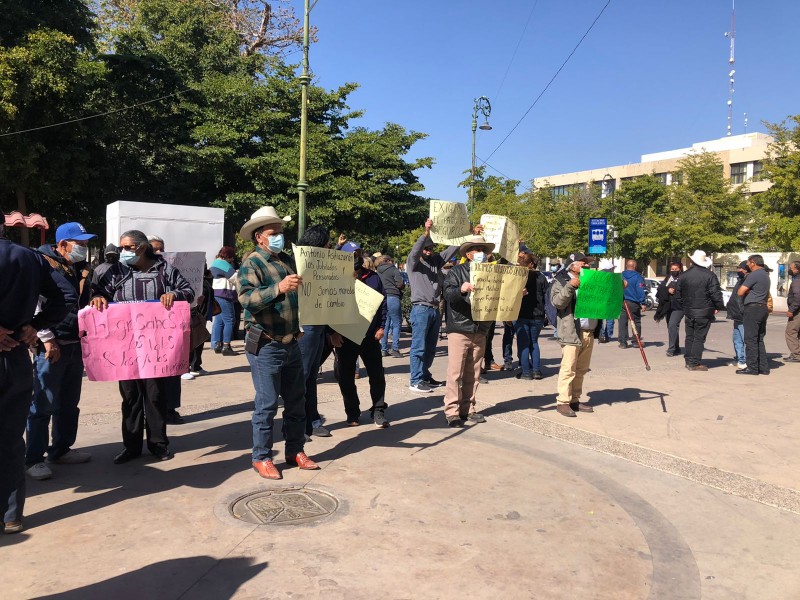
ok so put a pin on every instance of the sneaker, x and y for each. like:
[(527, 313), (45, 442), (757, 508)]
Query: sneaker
[(538, 375), (791, 359), (380, 421), (508, 366), (385, 353), (12, 527), (194, 373), (187, 376), (526, 376), (741, 365), (420, 388), (483, 380), (623, 345), (431, 382), (227, 350), (71, 457), (39, 471), (476, 418), (320, 431), (218, 349), (395, 354), (454, 422)]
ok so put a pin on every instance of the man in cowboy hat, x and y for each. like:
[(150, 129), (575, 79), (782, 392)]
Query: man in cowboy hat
[(702, 299), (576, 336), (268, 285), (466, 339)]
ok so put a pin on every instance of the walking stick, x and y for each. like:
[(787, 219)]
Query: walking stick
[(636, 335)]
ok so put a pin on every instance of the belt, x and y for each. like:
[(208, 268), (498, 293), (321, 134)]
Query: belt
[(283, 339), (756, 304)]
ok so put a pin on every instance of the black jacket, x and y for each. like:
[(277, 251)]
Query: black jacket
[(459, 310), (793, 298), (734, 307), (700, 293), (533, 302), (667, 302), (79, 279)]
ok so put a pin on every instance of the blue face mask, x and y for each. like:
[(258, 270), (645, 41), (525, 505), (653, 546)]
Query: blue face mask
[(128, 257), (479, 257), (276, 243)]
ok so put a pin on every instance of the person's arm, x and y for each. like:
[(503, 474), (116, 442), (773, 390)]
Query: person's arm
[(716, 293), (416, 250), (744, 288), (59, 298), (453, 290), (398, 279), (256, 295), (561, 295)]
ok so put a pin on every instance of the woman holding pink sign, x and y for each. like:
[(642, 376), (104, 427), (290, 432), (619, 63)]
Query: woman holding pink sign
[(141, 275)]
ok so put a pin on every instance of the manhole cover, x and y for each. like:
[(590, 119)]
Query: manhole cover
[(290, 506)]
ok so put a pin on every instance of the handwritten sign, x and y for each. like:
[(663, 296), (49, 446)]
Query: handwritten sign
[(327, 295), (498, 291), (450, 223), (135, 340), (368, 301), (192, 266), (503, 233), (599, 295)]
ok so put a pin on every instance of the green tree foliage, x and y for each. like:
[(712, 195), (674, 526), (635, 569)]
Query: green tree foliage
[(636, 200), (777, 221)]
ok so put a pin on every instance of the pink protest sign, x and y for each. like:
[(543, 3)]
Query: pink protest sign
[(135, 340)]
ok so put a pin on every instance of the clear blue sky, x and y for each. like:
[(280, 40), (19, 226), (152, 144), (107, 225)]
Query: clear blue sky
[(651, 76)]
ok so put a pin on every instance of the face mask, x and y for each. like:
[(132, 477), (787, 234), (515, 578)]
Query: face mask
[(128, 257), (358, 262), (553, 269), (276, 243), (675, 273), (78, 253), (479, 257)]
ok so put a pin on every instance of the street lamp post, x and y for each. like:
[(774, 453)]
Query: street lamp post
[(611, 231), (305, 79), (484, 107)]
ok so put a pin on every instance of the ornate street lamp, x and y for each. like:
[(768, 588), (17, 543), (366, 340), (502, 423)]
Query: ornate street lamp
[(484, 107), (305, 79)]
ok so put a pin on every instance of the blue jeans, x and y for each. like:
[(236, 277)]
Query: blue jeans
[(16, 385), (393, 319), (607, 330), (222, 329), (738, 342), (277, 370), (56, 393), (312, 345), (528, 344), (425, 324)]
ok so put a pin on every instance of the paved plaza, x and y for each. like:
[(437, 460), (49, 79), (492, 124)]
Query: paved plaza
[(681, 485)]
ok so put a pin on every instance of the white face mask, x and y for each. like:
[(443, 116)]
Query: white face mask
[(78, 253), (479, 257), (128, 257)]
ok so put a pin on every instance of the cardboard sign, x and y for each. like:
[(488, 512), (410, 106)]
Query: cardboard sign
[(503, 233), (450, 223), (135, 340), (599, 295), (368, 301), (192, 266), (498, 291), (327, 295)]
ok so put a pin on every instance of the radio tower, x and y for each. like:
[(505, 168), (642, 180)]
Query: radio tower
[(732, 35)]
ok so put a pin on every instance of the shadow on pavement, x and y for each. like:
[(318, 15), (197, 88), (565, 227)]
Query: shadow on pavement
[(625, 395)]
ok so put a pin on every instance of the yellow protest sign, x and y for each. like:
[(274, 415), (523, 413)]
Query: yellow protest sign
[(368, 301), (503, 233), (498, 291), (450, 223), (327, 295)]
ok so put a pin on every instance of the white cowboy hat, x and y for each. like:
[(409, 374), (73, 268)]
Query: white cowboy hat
[(472, 241), (701, 259), (265, 215)]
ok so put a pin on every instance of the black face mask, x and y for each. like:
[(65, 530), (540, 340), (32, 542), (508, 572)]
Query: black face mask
[(675, 273), (358, 262)]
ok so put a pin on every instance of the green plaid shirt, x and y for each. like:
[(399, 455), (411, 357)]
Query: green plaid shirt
[(259, 276)]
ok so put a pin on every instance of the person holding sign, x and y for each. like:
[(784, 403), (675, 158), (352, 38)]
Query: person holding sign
[(576, 336), (141, 275), (466, 339), (268, 285)]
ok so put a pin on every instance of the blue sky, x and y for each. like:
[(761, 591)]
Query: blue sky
[(651, 76)]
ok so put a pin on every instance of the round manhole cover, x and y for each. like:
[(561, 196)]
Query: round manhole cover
[(290, 506)]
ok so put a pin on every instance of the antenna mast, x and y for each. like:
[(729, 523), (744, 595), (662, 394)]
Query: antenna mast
[(732, 35)]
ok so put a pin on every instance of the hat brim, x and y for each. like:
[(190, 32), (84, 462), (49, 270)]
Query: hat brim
[(246, 232), (80, 238), (467, 246), (702, 263)]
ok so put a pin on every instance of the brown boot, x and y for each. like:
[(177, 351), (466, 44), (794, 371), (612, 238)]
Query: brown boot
[(564, 409), (581, 406)]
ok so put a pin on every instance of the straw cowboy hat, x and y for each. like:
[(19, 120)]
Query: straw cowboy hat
[(472, 241), (701, 259), (266, 215)]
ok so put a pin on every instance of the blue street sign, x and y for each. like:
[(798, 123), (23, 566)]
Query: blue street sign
[(598, 236)]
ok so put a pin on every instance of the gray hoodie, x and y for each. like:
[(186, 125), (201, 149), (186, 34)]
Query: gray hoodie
[(425, 273)]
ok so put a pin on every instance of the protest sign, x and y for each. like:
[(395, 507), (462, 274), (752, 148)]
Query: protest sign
[(498, 291), (503, 233), (450, 223), (192, 266), (368, 301), (599, 295), (327, 295), (135, 340)]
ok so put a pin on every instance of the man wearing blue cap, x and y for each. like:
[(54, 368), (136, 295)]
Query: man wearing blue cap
[(58, 364)]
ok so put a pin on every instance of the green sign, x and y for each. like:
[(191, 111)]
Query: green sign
[(599, 295)]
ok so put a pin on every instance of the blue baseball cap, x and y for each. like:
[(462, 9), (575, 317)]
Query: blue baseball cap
[(72, 231), (350, 247)]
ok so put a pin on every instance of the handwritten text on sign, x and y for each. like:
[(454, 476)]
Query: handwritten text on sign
[(503, 233), (498, 291), (327, 295), (135, 340), (599, 295), (369, 301), (192, 266), (450, 223)]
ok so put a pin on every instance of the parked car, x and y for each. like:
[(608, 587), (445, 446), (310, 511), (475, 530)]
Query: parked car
[(652, 285)]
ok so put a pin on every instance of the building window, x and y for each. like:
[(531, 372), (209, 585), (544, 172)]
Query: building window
[(662, 177), (738, 172), (758, 166), (560, 190)]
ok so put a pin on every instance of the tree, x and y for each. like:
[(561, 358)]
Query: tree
[(777, 211)]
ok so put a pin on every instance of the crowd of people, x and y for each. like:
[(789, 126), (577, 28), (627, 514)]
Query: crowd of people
[(42, 291)]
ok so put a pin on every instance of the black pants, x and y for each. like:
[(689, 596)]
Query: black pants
[(488, 355), (16, 391), (755, 327), (370, 353), (144, 406), (636, 313), (696, 332), (196, 359), (674, 331), (172, 391)]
